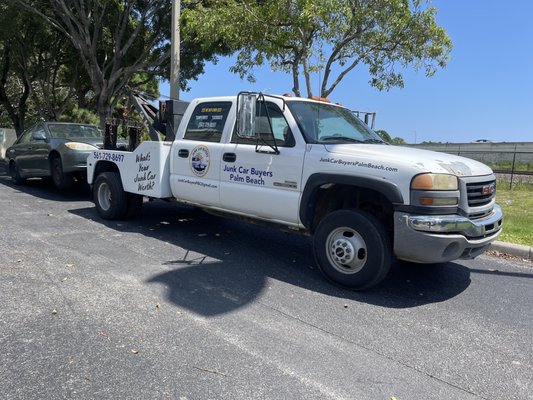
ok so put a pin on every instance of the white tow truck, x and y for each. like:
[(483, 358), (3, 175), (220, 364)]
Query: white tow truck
[(312, 167)]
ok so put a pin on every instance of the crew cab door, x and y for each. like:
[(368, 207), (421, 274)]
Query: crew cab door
[(196, 153), (254, 180)]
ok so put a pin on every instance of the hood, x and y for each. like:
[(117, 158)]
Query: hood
[(96, 141), (418, 159)]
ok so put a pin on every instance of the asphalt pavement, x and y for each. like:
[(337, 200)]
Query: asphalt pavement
[(179, 304)]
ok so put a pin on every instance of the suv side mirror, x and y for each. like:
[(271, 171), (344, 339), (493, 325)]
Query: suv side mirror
[(246, 105)]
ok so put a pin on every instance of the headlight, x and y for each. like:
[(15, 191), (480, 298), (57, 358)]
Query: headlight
[(79, 146), (434, 182), (437, 190)]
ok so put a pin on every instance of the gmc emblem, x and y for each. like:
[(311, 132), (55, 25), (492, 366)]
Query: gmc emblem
[(488, 189)]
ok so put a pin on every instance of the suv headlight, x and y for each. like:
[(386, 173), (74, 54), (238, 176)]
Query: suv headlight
[(437, 190)]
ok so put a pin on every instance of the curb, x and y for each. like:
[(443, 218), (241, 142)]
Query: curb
[(517, 250)]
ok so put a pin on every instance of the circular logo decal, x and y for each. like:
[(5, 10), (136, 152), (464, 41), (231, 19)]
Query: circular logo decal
[(200, 160)]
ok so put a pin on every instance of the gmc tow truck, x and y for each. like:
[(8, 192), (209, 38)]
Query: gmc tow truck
[(312, 167)]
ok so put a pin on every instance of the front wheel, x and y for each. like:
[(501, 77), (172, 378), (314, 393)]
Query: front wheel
[(352, 249), (61, 179), (109, 197)]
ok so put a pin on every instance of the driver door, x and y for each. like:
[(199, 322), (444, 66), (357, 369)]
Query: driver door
[(254, 180)]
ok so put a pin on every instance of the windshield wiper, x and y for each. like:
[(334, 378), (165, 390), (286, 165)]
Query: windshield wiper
[(374, 141), (338, 139)]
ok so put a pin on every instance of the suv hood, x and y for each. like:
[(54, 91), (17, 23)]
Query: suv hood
[(418, 159)]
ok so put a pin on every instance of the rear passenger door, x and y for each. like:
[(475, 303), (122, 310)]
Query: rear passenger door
[(195, 159), (21, 152)]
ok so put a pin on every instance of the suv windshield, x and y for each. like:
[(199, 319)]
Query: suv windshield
[(327, 123), (66, 131)]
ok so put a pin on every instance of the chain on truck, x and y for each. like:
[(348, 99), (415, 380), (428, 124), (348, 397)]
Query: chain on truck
[(312, 167)]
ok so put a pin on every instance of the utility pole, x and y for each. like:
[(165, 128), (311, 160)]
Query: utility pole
[(174, 108), (175, 51)]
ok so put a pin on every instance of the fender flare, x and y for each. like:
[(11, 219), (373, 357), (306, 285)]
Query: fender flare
[(308, 200)]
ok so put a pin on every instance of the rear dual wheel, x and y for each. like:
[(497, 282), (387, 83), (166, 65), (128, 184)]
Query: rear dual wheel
[(352, 249), (110, 199)]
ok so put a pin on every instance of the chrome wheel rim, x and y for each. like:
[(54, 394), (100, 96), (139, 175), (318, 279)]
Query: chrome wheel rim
[(346, 250), (104, 196)]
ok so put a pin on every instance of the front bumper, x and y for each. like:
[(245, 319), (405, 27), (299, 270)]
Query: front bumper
[(75, 161), (441, 238)]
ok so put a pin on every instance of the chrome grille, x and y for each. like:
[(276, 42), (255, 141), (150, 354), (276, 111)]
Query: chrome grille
[(480, 193)]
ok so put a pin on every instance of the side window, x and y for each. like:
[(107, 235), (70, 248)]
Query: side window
[(207, 122), (280, 128), (26, 136), (37, 129)]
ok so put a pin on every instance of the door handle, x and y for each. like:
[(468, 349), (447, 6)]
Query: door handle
[(229, 157), (183, 153)]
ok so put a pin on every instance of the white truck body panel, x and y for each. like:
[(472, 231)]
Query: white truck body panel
[(145, 171)]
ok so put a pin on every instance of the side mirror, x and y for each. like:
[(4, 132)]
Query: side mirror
[(246, 105), (39, 135)]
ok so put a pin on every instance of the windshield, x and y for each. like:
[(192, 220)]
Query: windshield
[(66, 131), (327, 123)]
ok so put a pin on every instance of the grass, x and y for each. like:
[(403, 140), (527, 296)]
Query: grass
[(508, 166), (517, 205)]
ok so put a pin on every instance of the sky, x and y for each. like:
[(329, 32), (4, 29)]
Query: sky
[(485, 92)]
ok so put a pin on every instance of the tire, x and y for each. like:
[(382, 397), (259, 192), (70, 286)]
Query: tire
[(110, 199), (61, 179), (135, 202), (352, 249), (15, 174)]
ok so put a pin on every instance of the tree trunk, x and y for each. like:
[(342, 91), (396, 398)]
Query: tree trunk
[(103, 108)]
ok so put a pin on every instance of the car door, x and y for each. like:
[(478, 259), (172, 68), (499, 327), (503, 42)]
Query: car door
[(195, 157), (20, 151), (257, 181), (39, 149)]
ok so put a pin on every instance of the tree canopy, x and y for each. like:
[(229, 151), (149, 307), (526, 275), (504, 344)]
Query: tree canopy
[(302, 37), (38, 67), (390, 140), (76, 57), (93, 50)]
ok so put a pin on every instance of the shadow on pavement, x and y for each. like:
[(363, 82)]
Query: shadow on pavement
[(45, 189), (248, 257)]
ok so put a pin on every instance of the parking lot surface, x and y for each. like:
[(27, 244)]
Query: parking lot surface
[(180, 304)]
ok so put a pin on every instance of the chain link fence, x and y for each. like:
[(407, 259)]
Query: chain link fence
[(511, 162)]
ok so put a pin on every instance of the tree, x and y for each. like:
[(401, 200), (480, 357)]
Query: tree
[(39, 71), (114, 40), (384, 135), (331, 36), (398, 141), (389, 139), (15, 82), (120, 41)]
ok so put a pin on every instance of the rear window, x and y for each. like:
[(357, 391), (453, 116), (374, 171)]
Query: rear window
[(207, 122)]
